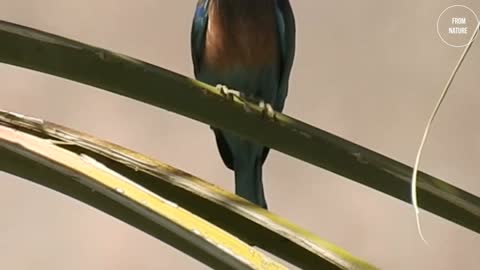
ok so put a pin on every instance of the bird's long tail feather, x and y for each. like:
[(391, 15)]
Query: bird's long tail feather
[(248, 183)]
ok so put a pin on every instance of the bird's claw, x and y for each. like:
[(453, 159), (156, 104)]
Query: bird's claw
[(267, 109), (228, 93)]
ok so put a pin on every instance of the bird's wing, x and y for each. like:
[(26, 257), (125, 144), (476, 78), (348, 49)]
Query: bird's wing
[(197, 43), (223, 148), (286, 31), (197, 36)]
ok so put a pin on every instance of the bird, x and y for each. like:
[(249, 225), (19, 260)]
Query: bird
[(248, 45)]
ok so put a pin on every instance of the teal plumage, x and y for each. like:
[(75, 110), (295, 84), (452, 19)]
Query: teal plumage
[(249, 46)]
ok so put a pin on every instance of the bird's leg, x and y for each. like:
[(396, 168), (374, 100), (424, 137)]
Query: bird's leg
[(267, 109), (229, 93)]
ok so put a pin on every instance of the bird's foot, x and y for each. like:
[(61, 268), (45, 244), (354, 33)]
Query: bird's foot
[(229, 93), (267, 109)]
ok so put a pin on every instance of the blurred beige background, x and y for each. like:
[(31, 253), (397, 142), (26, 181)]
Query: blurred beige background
[(369, 71)]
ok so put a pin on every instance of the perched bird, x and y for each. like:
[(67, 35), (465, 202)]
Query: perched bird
[(247, 45)]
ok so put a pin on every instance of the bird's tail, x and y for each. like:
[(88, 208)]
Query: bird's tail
[(248, 183)]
